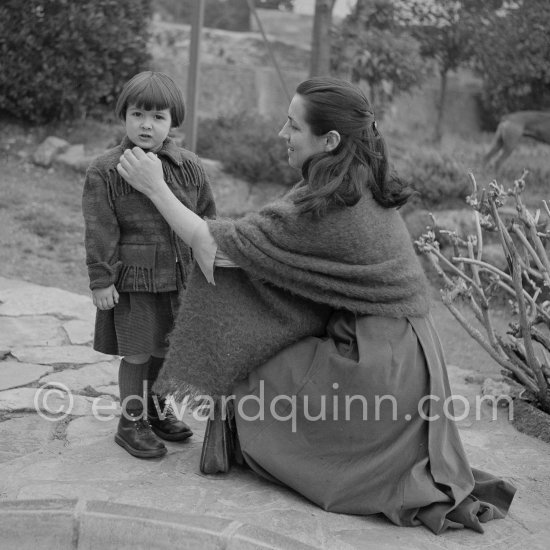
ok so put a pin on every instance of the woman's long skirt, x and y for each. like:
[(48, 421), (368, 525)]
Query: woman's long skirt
[(358, 423)]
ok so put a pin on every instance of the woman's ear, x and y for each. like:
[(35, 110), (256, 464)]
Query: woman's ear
[(332, 140)]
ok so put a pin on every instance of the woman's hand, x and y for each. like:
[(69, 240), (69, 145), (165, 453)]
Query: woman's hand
[(141, 170)]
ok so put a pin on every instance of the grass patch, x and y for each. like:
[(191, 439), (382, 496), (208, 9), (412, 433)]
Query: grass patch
[(440, 172), (44, 222)]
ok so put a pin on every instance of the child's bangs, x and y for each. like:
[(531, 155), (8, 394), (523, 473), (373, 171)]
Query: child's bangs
[(151, 97)]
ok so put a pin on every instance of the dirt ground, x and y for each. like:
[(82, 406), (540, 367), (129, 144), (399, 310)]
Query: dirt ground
[(41, 228)]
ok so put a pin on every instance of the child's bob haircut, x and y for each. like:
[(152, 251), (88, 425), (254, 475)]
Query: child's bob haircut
[(151, 90)]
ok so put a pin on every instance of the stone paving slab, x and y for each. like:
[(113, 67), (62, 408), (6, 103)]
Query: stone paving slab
[(72, 465), (59, 355), (14, 373), (79, 332), (108, 390), (96, 375), (21, 298), (39, 330), (52, 402)]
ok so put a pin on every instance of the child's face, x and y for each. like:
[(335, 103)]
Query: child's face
[(147, 129)]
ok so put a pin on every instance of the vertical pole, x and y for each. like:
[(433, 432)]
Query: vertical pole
[(269, 49), (193, 76), (320, 40)]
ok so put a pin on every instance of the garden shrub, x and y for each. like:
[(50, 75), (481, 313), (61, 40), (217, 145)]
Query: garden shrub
[(438, 178), (512, 58), (535, 161), (62, 59), (248, 146)]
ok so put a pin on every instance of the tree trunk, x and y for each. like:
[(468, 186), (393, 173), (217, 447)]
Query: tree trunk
[(438, 133), (320, 40), (239, 12)]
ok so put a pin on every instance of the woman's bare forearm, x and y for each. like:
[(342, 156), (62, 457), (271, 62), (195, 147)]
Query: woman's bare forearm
[(182, 220)]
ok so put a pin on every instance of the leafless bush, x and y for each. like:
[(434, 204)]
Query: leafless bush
[(524, 351)]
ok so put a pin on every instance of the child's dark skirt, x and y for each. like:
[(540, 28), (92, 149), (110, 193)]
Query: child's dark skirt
[(139, 323)]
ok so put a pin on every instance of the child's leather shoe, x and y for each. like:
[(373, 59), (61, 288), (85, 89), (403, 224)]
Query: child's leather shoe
[(163, 420), (134, 434)]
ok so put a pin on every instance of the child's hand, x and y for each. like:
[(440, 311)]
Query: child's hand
[(105, 298)]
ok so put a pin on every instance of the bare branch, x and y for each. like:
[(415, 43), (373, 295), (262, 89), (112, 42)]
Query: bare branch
[(532, 361), (475, 334)]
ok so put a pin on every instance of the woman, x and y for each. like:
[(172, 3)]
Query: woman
[(323, 333)]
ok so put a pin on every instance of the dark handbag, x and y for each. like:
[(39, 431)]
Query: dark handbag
[(221, 445)]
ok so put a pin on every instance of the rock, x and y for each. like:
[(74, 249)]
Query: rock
[(42, 330), (87, 430), (75, 157), (31, 299), (48, 149), (96, 376), (221, 47), (13, 284), (59, 355), (112, 390), (22, 435), (474, 379), (50, 403), (14, 374), (500, 390), (79, 332)]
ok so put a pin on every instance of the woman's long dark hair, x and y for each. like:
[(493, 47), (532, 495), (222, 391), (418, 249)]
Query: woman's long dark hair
[(339, 177)]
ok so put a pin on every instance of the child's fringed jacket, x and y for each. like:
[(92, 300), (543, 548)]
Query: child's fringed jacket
[(128, 243)]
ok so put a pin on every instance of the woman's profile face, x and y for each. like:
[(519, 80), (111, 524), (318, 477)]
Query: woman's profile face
[(301, 142)]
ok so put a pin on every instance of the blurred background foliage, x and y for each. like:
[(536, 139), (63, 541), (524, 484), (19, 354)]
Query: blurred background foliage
[(248, 147), (511, 56), (64, 59), (61, 59)]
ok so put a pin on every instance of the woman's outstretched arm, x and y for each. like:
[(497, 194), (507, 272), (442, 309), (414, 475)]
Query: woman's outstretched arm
[(143, 171)]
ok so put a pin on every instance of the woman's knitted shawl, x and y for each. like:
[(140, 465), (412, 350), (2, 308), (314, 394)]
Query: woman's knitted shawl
[(294, 270)]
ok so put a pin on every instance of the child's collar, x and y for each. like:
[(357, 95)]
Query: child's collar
[(169, 149)]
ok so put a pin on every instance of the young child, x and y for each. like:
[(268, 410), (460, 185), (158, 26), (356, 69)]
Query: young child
[(137, 265)]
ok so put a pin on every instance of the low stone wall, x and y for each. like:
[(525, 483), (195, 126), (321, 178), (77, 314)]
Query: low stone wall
[(226, 89), (236, 73), (416, 112), (71, 524)]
